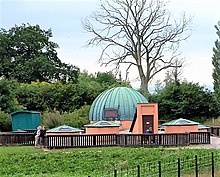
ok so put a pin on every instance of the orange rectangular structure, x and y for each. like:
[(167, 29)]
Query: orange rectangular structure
[(102, 130), (180, 128), (147, 116)]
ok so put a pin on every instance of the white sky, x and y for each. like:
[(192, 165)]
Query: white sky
[(64, 18)]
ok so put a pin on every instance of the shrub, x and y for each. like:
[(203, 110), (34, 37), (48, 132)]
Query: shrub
[(78, 118), (5, 122), (51, 119)]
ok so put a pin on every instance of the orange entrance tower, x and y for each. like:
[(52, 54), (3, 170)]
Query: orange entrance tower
[(147, 117)]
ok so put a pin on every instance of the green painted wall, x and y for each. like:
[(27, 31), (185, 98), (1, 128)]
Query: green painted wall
[(25, 120)]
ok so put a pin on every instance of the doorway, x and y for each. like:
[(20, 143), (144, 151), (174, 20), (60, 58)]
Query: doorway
[(148, 121)]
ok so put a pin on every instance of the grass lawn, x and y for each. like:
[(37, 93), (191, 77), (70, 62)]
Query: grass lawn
[(84, 162)]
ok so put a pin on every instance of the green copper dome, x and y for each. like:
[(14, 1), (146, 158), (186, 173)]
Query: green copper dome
[(116, 104)]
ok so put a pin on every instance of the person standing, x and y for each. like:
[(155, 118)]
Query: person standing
[(149, 130), (37, 137), (42, 135), (149, 137)]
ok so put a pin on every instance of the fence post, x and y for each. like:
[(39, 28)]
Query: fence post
[(196, 165), (125, 140), (178, 167), (116, 139), (139, 172), (94, 140), (142, 139), (115, 173), (177, 143), (217, 129), (71, 141), (160, 139), (213, 165), (209, 137), (3, 139), (46, 141), (188, 139), (159, 168)]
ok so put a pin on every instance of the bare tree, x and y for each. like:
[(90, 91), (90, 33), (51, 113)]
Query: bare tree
[(173, 74), (137, 33)]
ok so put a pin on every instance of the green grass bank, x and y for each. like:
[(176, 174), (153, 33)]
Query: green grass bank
[(30, 161)]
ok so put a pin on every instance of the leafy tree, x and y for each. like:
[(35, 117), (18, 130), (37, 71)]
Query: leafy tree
[(51, 119), (65, 97), (5, 122), (42, 96), (216, 64), (6, 54), (8, 100), (138, 33), (77, 118), (27, 54), (31, 96), (186, 100), (88, 88), (216, 60), (105, 78)]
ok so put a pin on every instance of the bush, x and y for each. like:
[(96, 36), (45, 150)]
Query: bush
[(78, 118), (51, 119), (5, 122)]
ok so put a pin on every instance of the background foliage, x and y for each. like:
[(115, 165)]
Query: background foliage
[(32, 77), (185, 100)]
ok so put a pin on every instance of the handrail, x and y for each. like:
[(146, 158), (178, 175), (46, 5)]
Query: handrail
[(94, 140)]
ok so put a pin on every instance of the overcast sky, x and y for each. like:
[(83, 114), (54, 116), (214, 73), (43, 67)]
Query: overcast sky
[(64, 18)]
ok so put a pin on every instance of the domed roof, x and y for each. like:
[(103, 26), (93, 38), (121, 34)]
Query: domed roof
[(116, 104)]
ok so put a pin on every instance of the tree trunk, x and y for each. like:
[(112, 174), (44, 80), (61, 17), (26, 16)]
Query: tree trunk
[(144, 82)]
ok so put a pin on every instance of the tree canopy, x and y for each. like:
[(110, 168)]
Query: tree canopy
[(27, 54), (138, 33), (216, 60), (185, 100)]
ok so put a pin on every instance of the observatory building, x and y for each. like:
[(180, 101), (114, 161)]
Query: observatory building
[(126, 107)]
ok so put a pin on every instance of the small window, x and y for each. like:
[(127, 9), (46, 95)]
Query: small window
[(110, 113)]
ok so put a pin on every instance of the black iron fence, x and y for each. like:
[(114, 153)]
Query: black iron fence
[(199, 165), (98, 140)]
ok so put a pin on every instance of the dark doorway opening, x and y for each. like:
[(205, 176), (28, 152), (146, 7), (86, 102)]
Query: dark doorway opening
[(148, 121)]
